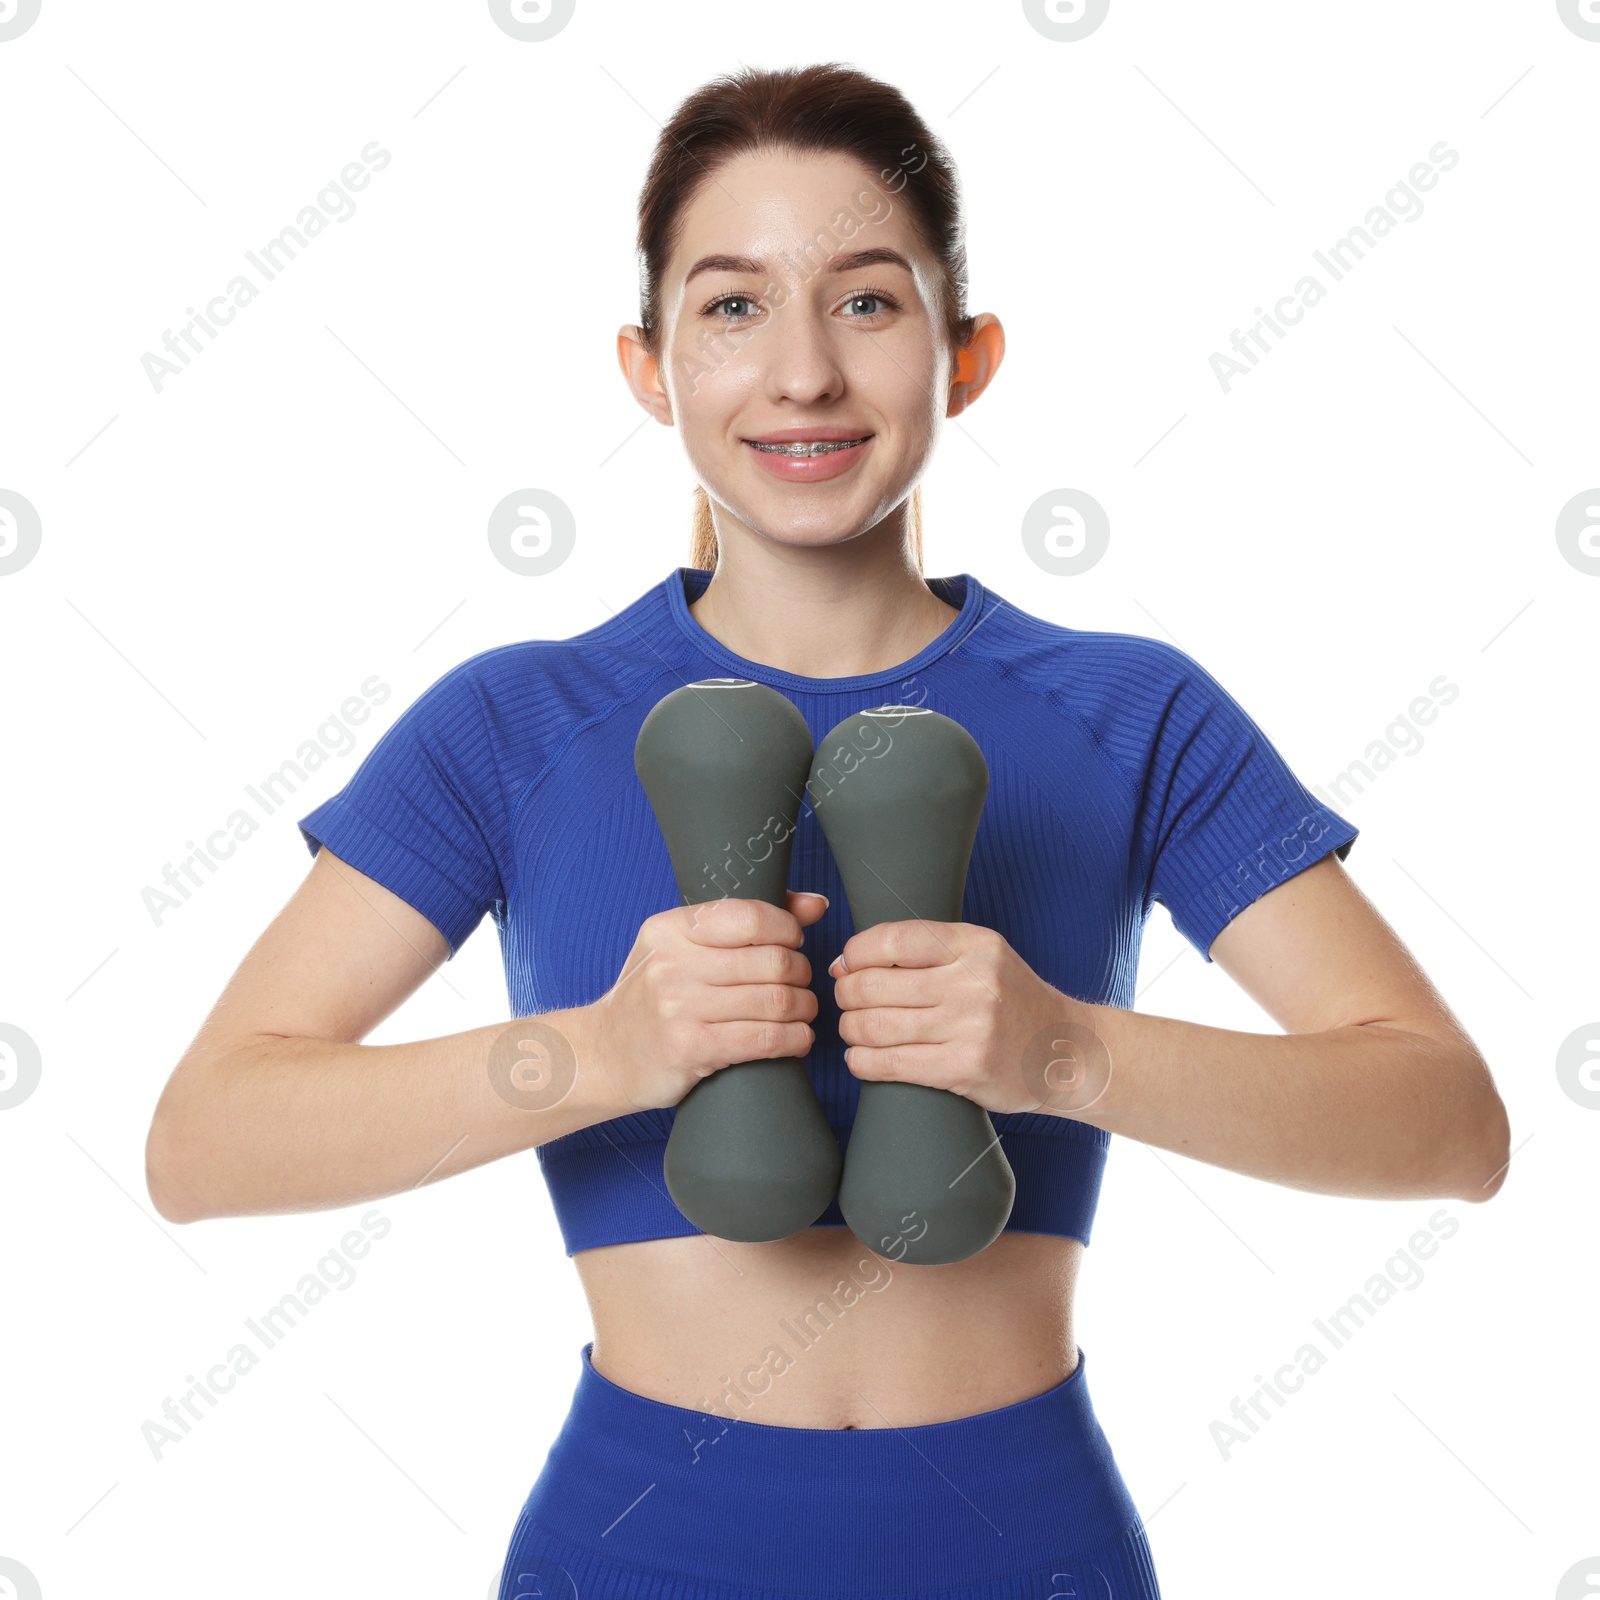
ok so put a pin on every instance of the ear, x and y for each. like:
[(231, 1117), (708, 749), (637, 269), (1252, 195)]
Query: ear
[(642, 373), (976, 362)]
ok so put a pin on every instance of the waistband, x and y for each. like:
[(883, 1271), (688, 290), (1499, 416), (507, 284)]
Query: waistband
[(1028, 1492)]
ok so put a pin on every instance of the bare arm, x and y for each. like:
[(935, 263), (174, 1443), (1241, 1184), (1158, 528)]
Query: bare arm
[(277, 1106), (1373, 1089)]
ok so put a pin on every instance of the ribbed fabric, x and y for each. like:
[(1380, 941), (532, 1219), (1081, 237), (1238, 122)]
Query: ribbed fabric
[(1058, 1165), (1121, 774), (640, 1500)]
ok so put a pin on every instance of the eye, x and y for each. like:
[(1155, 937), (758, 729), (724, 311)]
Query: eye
[(878, 295), (736, 307), (727, 300)]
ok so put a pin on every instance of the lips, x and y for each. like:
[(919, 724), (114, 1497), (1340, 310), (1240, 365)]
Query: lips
[(810, 455)]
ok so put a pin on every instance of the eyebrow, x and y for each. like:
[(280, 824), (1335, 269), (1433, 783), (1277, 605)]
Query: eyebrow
[(850, 263)]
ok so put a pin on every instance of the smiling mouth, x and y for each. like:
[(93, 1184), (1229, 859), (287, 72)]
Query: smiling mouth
[(817, 447)]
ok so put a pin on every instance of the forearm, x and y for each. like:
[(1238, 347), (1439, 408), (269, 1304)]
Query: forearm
[(1365, 1110), (299, 1124)]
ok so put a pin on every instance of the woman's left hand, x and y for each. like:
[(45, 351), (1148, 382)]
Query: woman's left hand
[(953, 1006)]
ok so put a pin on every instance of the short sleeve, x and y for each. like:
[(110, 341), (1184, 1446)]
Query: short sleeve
[(424, 811), (1226, 819)]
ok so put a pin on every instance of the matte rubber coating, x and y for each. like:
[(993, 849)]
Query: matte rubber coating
[(898, 791), (724, 764)]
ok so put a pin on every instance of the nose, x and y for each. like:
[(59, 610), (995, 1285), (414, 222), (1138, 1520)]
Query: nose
[(801, 360)]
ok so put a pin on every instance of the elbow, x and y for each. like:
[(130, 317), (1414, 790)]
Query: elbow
[(1480, 1171), (165, 1173)]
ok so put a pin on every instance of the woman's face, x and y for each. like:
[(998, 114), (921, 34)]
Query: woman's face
[(799, 305)]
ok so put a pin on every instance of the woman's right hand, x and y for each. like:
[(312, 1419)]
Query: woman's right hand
[(705, 986)]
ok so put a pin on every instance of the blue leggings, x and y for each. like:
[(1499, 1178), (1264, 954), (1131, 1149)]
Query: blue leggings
[(640, 1500)]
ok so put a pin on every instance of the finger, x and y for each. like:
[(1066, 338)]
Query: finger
[(883, 1027), (760, 1041), (757, 963), (732, 922), (901, 944), (757, 1002), (895, 1063), (890, 986), (806, 906)]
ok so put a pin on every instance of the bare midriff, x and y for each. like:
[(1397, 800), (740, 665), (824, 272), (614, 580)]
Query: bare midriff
[(817, 1331)]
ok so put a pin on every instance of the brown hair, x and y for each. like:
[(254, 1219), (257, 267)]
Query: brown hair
[(829, 107)]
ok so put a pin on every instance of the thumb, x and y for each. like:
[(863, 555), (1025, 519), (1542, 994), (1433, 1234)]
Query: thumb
[(806, 906)]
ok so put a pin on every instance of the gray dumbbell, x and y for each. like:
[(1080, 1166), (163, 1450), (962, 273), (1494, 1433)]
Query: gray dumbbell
[(724, 764), (898, 791)]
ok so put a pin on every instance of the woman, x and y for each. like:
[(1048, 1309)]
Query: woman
[(809, 1416)]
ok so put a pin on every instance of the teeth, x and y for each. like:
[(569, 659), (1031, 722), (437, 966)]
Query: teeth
[(813, 448)]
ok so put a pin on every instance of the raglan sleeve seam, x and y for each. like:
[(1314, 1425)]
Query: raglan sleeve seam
[(430, 842), (1248, 825)]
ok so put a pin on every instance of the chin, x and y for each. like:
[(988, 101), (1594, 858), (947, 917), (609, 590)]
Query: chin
[(791, 519), (817, 528), (808, 537)]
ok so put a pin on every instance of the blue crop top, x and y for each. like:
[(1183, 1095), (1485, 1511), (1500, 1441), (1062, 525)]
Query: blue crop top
[(1120, 773)]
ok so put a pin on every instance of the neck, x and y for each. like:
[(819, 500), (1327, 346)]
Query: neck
[(825, 611)]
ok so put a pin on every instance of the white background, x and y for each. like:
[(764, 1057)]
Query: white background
[(225, 562)]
